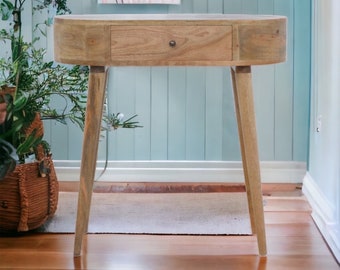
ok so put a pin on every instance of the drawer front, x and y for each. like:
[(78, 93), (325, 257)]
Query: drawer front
[(170, 44)]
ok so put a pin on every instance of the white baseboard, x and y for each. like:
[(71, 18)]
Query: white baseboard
[(324, 215), (183, 171)]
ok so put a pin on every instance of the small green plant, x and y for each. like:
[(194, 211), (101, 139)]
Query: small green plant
[(116, 120)]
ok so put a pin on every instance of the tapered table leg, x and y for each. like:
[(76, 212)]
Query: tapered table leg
[(245, 113), (94, 111)]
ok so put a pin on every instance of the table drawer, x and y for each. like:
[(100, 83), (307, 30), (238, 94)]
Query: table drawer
[(170, 44)]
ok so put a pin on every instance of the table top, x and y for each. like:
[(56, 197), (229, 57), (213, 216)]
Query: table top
[(182, 17), (170, 39)]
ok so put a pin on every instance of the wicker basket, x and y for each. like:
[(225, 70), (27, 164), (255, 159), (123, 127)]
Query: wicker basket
[(29, 194), (28, 199)]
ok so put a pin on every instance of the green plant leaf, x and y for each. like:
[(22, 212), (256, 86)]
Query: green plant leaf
[(6, 9)]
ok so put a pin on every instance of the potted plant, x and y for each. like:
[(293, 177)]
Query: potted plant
[(28, 86)]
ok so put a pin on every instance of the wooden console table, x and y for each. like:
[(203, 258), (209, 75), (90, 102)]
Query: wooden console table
[(239, 41)]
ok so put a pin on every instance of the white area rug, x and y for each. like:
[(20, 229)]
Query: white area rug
[(157, 213)]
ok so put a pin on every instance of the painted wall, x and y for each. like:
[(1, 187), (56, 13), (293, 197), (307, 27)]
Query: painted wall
[(322, 182), (188, 113)]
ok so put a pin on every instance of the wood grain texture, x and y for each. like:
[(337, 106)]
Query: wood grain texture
[(153, 43), (245, 113), (266, 42), (203, 39), (277, 190), (94, 111)]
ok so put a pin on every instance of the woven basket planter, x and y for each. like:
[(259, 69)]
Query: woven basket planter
[(28, 199), (29, 194)]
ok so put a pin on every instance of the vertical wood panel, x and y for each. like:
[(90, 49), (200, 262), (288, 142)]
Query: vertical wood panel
[(29, 24), (112, 97), (284, 91), (266, 6), (143, 110), (186, 6), (250, 7), (159, 113), (214, 113), (177, 113), (230, 141), (232, 6), (215, 6), (264, 104), (175, 8), (75, 136), (125, 103), (264, 94), (302, 61), (59, 140), (195, 114), (121, 99), (200, 6)]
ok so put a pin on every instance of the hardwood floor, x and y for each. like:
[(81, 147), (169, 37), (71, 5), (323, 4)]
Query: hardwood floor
[(293, 241)]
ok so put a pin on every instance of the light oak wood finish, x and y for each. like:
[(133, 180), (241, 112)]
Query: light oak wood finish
[(94, 111), (245, 113), (171, 43), (172, 40), (181, 187), (294, 242), (139, 40)]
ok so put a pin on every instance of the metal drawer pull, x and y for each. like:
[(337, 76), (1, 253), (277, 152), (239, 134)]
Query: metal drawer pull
[(172, 43)]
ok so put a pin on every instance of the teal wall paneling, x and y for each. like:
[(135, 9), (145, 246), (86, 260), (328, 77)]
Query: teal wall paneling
[(250, 7), (200, 6), (215, 6), (124, 101), (214, 116), (143, 109), (188, 113), (264, 96), (284, 90), (195, 114), (230, 139), (265, 6), (302, 85), (159, 113), (59, 141), (177, 114), (232, 6)]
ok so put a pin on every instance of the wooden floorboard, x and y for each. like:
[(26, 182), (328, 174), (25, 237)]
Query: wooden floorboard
[(110, 187), (294, 242)]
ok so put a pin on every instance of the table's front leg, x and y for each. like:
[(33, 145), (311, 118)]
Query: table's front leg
[(94, 111), (244, 105)]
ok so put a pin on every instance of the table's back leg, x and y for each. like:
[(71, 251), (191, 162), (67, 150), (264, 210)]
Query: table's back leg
[(94, 111), (244, 105)]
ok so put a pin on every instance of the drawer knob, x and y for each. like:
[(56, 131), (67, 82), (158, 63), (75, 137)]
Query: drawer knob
[(172, 43)]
